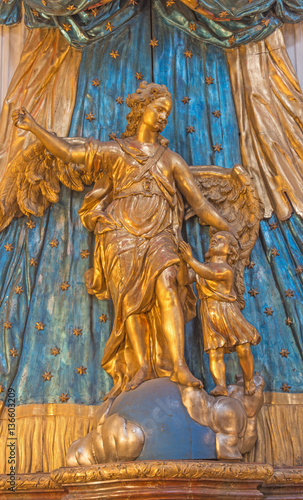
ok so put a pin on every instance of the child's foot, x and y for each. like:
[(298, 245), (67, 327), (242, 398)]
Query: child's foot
[(249, 388), (219, 390)]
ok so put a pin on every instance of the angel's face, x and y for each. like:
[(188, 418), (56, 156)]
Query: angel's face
[(219, 245), (156, 113)]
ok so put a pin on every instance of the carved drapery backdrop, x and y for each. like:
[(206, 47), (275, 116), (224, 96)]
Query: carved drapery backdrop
[(47, 337)]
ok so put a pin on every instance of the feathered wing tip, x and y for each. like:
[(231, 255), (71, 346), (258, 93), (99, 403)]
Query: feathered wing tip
[(233, 193), (32, 182)]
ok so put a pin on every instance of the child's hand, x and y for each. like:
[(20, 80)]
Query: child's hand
[(185, 251)]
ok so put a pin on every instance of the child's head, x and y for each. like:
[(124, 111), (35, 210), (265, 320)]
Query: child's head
[(227, 243)]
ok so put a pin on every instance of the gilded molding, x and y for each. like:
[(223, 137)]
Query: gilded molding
[(37, 481), (286, 475), (189, 469), (156, 469)]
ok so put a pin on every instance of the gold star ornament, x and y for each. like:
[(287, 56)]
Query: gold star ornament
[(114, 54), (33, 262), (77, 331), (47, 376), (190, 130), (253, 292), (289, 293), (2, 388), (268, 311), (188, 54), (31, 224), (285, 387), (217, 147), (251, 265), (13, 352), (90, 116), (55, 351), (185, 100), (217, 113), (112, 136), (139, 76), (18, 290), (284, 353), (70, 7), (154, 42), (81, 370), (67, 27), (273, 226), (40, 326), (8, 247), (192, 26), (119, 100), (84, 254), (299, 270), (96, 82), (7, 325), (209, 80), (103, 318), (64, 397), (274, 251), (64, 286), (109, 26), (288, 321), (54, 243)]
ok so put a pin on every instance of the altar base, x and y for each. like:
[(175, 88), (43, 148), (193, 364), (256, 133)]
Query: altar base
[(160, 480)]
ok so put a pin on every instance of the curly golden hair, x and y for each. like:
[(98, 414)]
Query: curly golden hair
[(137, 102)]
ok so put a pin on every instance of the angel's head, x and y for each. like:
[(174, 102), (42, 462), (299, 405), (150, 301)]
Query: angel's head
[(224, 243), (151, 103)]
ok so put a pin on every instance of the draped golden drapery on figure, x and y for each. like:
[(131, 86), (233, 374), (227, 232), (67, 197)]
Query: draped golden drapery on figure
[(136, 213), (223, 324)]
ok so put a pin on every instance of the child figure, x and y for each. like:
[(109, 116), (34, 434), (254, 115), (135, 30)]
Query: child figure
[(224, 327)]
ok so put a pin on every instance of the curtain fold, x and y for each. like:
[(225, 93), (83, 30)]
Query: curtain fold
[(39, 84), (268, 101), (225, 23)]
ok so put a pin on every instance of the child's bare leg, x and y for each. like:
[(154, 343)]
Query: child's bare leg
[(217, 370), (246, 361)]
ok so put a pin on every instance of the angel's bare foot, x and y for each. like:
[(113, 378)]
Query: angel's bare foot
[(182, 376), (143, 374), (249, 388), (219, 390), (114, 392)]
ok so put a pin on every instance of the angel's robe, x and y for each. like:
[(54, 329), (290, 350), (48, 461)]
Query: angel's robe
[(136, 214)]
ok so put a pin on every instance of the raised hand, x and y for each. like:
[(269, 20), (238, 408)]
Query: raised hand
[(23, 119), (185, 251)]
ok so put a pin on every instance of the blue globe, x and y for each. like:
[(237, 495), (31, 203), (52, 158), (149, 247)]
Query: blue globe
[(170, 433)]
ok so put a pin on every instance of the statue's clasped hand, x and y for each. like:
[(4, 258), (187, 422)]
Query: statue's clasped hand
[(22, 119)]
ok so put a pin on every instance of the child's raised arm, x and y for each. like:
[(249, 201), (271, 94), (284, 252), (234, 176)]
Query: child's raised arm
[(201, 269), (183, 276)]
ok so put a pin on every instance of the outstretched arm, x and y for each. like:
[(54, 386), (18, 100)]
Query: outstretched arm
[(55, 145), (205, 210)]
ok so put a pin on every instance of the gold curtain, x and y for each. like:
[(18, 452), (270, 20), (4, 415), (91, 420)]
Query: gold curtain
[(40, 85), (45, 432), (269, 107)]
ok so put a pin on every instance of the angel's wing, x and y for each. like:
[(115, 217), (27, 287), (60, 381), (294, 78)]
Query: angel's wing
[(32, 182), (233, 193)]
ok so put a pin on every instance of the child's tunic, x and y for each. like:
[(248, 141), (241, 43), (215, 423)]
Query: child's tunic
[(222, 321)]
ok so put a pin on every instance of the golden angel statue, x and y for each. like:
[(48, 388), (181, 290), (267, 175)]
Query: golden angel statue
[(136, 210)]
